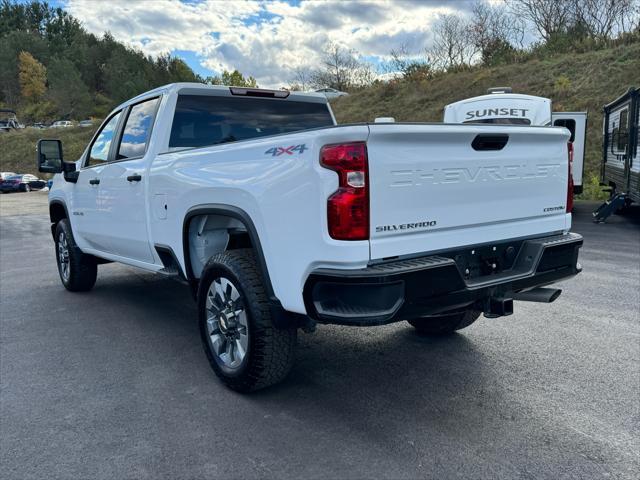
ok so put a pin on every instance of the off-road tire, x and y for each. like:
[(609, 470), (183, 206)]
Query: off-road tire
[(271, 351), (444, 324), (83, 269)]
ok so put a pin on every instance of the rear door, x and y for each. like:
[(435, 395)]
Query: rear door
[(435, 187), (576, 123), (123, 185)]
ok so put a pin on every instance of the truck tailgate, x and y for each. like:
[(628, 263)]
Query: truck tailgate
[(433, 188)]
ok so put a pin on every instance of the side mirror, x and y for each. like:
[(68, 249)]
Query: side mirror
[(49, 156)]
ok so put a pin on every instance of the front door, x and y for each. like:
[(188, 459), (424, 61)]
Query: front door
[(89, 230), (123, 186)]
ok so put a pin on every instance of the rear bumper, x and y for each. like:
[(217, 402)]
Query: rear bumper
[(392, 291)]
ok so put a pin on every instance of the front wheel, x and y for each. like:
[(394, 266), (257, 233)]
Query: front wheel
[(444, 324), (242, 345), (78, 271), (27, 188)]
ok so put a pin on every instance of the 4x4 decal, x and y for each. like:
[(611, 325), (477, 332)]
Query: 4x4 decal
[(277, 151)]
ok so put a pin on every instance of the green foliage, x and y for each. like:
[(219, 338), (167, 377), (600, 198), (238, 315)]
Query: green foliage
[(235, 79), (499, 52), (591, 189), (67, 90), (86, 75), (562, 86)]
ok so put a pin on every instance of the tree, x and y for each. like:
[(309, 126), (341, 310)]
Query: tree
[(412, 67), (232, 79), (67, 90), (494, 33), (339, 67), (32, 76), (601, 18), (302, 79), (452, 47), (549, 17)]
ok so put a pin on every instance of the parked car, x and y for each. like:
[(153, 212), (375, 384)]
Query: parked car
[(332, 93), (21, 183), (5, 175), (279, 219), (85, 123), (9, 120), (62, 124), (39, 125)]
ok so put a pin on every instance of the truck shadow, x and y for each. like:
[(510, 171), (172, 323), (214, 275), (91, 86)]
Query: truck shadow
[(391, 383), (372, 381)]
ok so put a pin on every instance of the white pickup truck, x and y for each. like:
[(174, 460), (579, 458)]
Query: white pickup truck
[(280, 219)]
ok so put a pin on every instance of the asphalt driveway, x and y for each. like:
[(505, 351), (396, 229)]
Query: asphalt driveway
[(114, 383)]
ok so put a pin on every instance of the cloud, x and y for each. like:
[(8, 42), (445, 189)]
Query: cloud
[(267, 40)]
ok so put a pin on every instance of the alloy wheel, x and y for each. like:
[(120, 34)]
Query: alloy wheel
[(227, 323), (63, 256)]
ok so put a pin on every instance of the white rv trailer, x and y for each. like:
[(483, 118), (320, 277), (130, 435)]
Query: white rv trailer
[(501, 106)]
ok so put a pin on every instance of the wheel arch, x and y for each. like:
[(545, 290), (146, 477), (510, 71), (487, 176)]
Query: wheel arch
[(57, 211), (234, 213)]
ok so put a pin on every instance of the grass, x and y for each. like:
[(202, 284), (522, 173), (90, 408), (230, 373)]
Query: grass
[(575, 82), (18, 147)]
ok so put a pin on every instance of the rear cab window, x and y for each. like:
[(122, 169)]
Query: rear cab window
[(203, 120), (137, 129)]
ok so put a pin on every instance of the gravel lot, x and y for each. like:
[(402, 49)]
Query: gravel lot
[(114, 383)]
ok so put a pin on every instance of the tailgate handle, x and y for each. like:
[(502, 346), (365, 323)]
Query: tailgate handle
[(490, 142)]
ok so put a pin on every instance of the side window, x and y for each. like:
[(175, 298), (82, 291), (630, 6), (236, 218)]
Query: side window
[(137, 130), (569, 124), (623, 131), (99, 152)]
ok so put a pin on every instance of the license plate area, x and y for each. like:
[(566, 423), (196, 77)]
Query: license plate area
[(486, 260)]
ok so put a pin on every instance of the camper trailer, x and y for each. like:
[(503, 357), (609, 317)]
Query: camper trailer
[(620, 162), (502, 106), (620, 170)]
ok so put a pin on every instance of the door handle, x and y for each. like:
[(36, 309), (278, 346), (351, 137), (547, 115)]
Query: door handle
[(134, 178), (94, 181)]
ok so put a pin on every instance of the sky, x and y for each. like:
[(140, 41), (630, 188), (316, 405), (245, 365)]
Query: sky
[(265, 39)]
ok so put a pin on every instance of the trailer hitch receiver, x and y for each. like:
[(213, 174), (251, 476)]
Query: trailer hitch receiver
[(498, 307)]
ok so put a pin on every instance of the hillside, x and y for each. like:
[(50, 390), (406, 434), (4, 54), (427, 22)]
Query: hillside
[(574, 82), (18, 148)]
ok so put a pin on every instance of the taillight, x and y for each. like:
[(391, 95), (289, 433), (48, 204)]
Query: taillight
[(570, 179), (348, 207)]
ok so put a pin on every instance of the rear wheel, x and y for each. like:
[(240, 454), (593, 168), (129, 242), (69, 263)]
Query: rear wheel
[(78, 271), (243, 347), (444, 324), (27, 187)]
